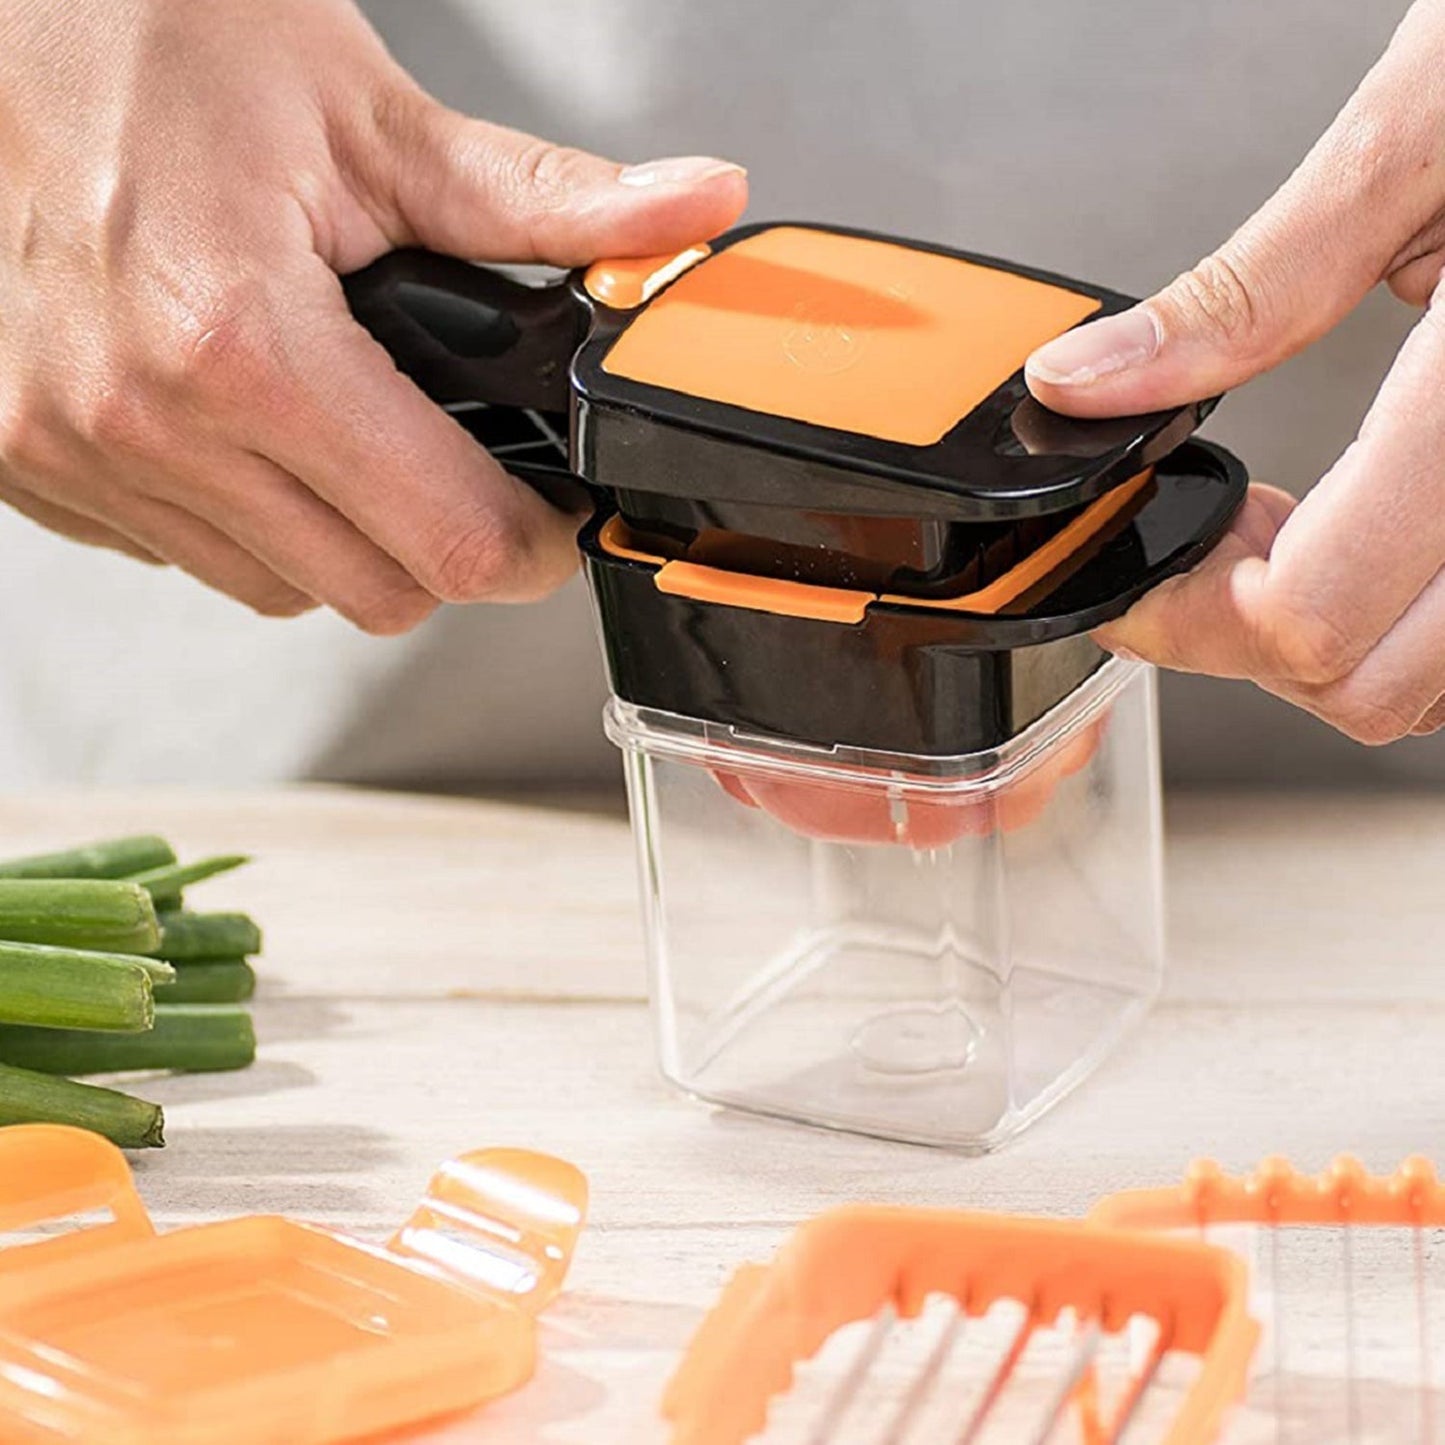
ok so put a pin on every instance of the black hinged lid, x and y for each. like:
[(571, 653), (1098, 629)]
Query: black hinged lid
[(828, 369), (819, 407)]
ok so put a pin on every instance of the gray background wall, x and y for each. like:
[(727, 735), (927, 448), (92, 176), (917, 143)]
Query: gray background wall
[(1117, 140)]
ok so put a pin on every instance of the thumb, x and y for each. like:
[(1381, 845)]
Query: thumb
[(1286, 277), (1223, 321), (487, 193)]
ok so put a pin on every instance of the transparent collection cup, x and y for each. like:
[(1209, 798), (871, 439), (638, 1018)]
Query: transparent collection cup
[(927, 949)]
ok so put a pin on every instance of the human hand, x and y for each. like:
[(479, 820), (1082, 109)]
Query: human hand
[(1337, 603), (180, 378)]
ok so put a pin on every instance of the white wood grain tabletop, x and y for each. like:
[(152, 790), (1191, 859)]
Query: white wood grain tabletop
[(445, 974)]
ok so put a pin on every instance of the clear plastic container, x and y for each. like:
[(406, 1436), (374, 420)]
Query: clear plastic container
[(934, 950)]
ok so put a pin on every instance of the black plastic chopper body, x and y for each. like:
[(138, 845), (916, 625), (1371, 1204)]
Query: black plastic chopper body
[(806, 582)]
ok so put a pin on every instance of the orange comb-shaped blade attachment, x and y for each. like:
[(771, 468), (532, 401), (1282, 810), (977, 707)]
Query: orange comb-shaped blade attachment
[(889, 1264), (51, 1174), (1278, 1194), (1344, 1283)]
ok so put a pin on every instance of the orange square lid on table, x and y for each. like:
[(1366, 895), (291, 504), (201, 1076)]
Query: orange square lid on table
[(262, 1328), (843, 331)]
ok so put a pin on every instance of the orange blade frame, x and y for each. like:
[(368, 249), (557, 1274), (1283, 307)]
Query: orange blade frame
[(848, 1264), (1276, 1193)]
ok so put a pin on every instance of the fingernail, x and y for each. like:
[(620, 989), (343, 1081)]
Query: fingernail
[(677, 171), (1102, 348)]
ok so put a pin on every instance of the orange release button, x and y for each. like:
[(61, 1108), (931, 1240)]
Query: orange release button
[(625, 285)]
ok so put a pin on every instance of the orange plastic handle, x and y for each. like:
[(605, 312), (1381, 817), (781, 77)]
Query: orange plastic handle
[(49, 1172), (780, 596), (501, 1221)]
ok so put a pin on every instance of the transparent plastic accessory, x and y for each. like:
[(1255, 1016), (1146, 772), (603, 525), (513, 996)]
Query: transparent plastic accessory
[(927, 949)]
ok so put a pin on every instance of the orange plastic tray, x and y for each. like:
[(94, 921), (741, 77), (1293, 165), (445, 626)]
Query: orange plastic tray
[(260, 1330)]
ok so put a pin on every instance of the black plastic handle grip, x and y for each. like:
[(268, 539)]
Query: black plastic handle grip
[(464, 333)]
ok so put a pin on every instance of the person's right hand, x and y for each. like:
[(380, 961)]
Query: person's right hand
[(180, 378)]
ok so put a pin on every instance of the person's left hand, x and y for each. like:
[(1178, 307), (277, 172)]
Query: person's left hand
[(1337, 604), (180, 378)]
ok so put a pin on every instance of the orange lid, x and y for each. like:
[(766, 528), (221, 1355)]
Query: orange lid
[(843, 331), (261, 1328)]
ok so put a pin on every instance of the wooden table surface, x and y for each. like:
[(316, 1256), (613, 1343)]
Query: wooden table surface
[(445, 974)]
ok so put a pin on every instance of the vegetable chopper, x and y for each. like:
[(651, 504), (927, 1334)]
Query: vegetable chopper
[(896, 812)]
